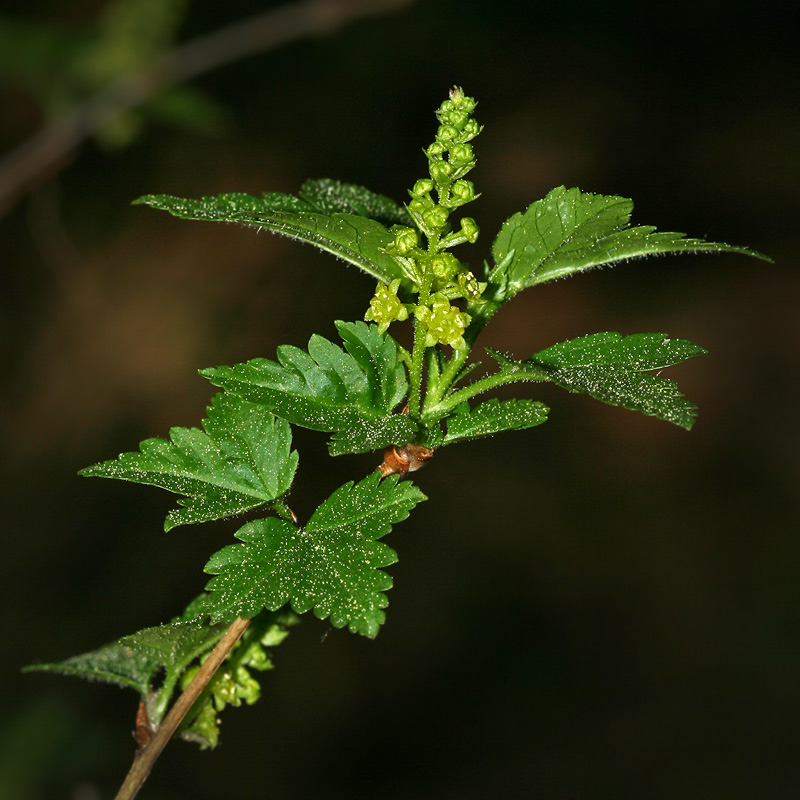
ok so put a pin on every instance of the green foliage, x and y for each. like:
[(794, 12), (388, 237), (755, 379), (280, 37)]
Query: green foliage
[(612, 368), (369, 394), (240, 463), (346, 220), (332, 566), (154, 660), (163, 652), (571, 231), (116, 663), (492, 417), (352, 394)]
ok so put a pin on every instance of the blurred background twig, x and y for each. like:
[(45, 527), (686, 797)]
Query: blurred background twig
[(42, 155)]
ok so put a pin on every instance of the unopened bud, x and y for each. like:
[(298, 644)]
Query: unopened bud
[(435, 218), (470, 229)]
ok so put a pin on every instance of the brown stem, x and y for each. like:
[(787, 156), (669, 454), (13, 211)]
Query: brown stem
[(147, 756), (46, 152)]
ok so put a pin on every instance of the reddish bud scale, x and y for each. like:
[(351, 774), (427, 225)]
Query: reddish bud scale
[(402, 460)]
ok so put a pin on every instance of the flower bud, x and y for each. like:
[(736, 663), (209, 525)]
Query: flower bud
[(458, 119), (470, 229), (470, 131), (441, 171), (463, 191), (435, 218), (420, 204), (461, 154), (422, 187), (436, 150), (405, 240), (446, 133), (456, 96), (444, 266)]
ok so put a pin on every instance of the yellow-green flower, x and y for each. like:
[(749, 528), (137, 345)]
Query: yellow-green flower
[(444, 323), (385, 307)]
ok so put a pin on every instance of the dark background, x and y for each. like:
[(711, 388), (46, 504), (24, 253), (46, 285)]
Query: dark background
[(603, 607)]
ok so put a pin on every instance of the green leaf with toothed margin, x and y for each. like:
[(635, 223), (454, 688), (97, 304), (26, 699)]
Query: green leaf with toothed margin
[(332, 566), (351, 393), (135, 661), (493, 416), (615, 369), (572, 231), (241, 461), (341, 218)]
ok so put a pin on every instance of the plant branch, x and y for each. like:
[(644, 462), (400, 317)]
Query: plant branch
[(45, 153), (444, 407), (449, 374), (417, 355), (147, 756)]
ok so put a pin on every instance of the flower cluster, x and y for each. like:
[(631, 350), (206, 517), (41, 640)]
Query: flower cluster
[(231, 685), (436, 275)]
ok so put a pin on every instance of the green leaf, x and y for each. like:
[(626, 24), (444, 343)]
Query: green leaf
[(351, 394), (341, 218), (113, 663), (492, 417), (377, 357), (241, 462), (177, 643), (332, 566), (154, 660), (612, 368), (135, 661), (571, 231), (331, 197)]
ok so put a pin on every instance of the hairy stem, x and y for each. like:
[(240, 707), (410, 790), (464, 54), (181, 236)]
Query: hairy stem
[(449, 374), (444, 407), (147, 756), (417, 356)]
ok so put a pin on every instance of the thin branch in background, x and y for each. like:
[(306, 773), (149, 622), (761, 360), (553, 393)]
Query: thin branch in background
[(45, 153)]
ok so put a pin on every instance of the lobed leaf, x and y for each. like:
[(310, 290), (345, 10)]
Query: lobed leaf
[(350, 393), (572, 231), (242, 461), (346, 220), (613, 369), (332, 566), (493, 416)]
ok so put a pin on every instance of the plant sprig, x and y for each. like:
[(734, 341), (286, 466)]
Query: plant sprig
[(369, 394)]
